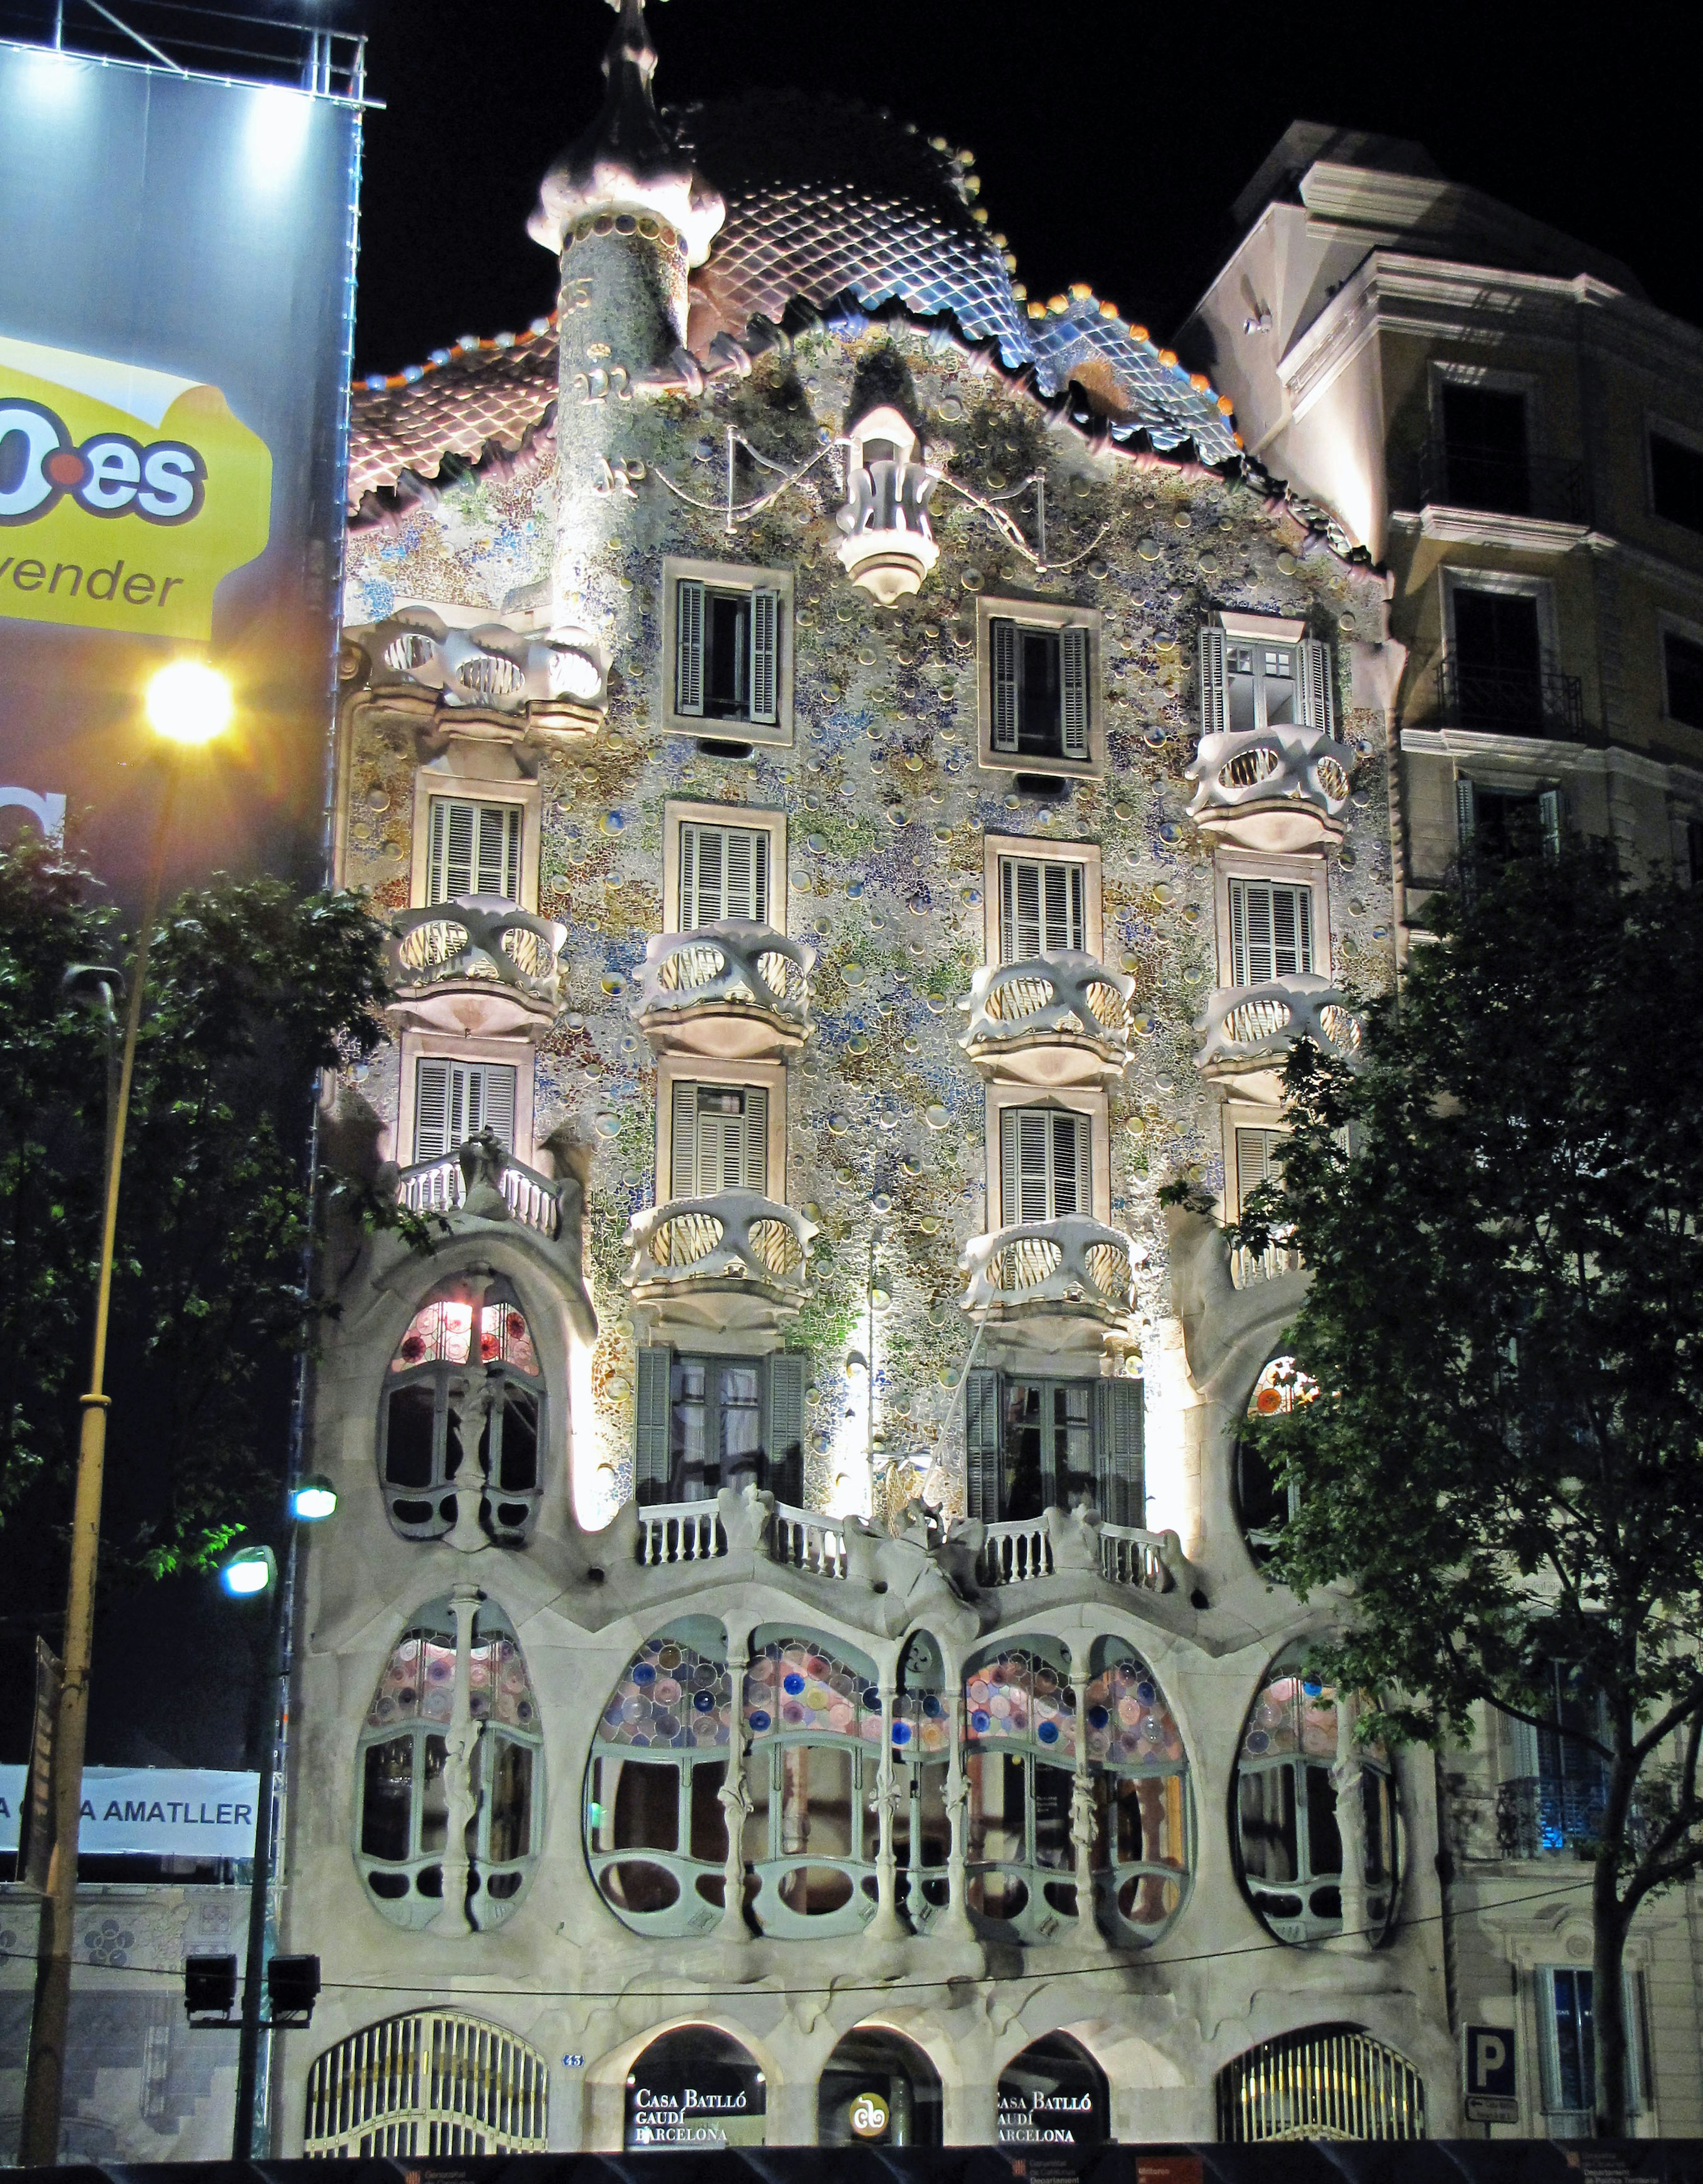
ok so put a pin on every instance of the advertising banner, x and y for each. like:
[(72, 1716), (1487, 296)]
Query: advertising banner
[(158, 1812), (175, 299)]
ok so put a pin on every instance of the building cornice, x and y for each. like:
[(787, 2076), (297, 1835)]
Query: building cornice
[(1530, 754)]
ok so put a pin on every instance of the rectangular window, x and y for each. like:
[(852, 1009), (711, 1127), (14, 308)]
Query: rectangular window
[(1254, 680), (1676, 481), (1041, 907), (1682, 658), (473, 849), (719, 1139), (1484, 449), (727, 652), (1569, 2044), (708, 1423), (1270, 931), (1262, 680), (1043, 1165), (1048, 1449), (1038, 1444), (1503, 823), (1497, 660), (1038, 685), (455, 1100), (724, 875)]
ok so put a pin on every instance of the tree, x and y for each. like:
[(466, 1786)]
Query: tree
[(253, 989), (1500, 1210)]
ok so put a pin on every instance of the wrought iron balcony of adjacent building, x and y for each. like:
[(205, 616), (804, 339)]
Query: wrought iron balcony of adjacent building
[(1501, 481), (1059, 1019), (734, 1260), (1246, 1032), (478, 964), (734, 991), (1507, 701), (1072, 1276), (1275, 789)]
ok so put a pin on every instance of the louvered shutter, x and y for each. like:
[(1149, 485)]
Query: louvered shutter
[(1285, 934), (1073, 690), (497, 868), (783, 1439), (650, 1455), (1069, 1135), (755, 1175), (451, 858), (689, 879), (1318, 687), (765, 657), (459, 1089), (431, 1110), (982, 1409), (1520, 1750), (712, 863), (737, 866), (1258, 1159), (1003, 683), (1120, 1450), (689, 647), (1465, 810), (1056, 934), (1250, 926), (1025, 1164), (1215, 688), (759, 886), (1077, 936), (721, 1145), (1549, 816), (497, 1104), (682, 1142)]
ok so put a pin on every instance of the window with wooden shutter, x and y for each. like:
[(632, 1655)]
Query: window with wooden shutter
[(784, 1426), (1040, 701), (1119, 1451), (1073, 684), (455, 1100), (1214, 699), (723, 874), (1002, 682), (472, 849), (719, 1139), (983, 1411), (1270, 931), (1258, 1159), (689, 647), (1044, 1165), (765, 657), (650, 1455), (1042, 907), (1318, 687)]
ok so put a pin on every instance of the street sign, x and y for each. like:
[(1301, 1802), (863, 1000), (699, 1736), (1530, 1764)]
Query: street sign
[(1492, 2093)]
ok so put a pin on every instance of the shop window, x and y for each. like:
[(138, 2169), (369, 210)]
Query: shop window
[(705, 1422), (695, 2087), (813, 1718), (1038, 1444), (1055, 2095), (453, 1724), (1290, 1812), (444, 1406), (1262, 1506), (1328, 2081), (878, 2089)]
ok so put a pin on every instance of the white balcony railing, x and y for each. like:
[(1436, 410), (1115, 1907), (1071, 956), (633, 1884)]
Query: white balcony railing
[(1273, 789), (478, 938), (1073, 1261), (734, 967), (735, 1237), (1067, 997), (805, 1540), (1246, 1268), (1242, 1027), (1019, 1552), (679, 1532), (442, 1186)]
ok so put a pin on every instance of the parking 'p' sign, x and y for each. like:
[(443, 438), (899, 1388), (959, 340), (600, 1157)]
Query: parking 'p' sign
[(1492, 2091)]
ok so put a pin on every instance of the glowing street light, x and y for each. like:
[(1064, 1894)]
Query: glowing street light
[(313, 1500), (248, 1573), (189, 702)]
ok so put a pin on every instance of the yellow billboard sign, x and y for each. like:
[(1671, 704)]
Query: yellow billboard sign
[(125, 494)]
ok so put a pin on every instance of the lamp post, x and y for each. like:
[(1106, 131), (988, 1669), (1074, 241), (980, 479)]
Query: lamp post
[(188, 704)]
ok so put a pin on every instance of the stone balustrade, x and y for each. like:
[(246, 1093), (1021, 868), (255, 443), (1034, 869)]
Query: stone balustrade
[(506, 1189)]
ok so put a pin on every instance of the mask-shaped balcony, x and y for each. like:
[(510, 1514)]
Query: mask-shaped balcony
[(1275, 789), (734, 1260), (490, 673), (1060, 1019), (1073, 1273), (1246, 1031), (476, 965), (734, 991)]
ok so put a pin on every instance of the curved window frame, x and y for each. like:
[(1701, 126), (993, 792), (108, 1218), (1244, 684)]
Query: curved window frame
[(1282, 1384), (426, 1511), (417, 1902), (780, 1749)]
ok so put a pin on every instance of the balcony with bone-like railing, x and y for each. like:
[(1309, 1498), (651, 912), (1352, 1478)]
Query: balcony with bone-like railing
[(1275, 789), (478, 964), (488, 674), (735, 991), (1246, 1031), (1071, 1271), (1058, 1019), (733, 1260)]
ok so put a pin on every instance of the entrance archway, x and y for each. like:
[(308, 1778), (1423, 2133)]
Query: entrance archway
[(878, 2089), (696, 2088), (1055, 2094)]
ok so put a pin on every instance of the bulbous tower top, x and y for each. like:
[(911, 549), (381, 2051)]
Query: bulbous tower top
[(628, 160)]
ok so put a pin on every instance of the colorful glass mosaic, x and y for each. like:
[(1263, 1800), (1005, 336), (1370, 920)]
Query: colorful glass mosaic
[(1280, 1388), (438, 1334), (922, 1725), (793, 1685), (418, 1683), (500, 1688), (1021, 1698), (1292, 1715), (671, 1698), (505, 1339), (1129, 1722)]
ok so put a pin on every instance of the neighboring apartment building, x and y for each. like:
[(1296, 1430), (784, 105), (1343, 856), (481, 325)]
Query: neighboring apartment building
[(863, 802)]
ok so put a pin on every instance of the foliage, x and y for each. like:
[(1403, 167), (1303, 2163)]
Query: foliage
[(1500, 1213)]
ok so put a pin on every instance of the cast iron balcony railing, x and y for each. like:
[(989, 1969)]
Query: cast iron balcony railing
[(757, 978), (1276, 789), (1497, 482), (1252, 1026), (1072, 1263), (735, 1238), (1068, 1001), (1510, 701), (478, 940)]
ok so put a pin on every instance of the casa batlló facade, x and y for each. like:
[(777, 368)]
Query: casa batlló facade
[(868, 779)]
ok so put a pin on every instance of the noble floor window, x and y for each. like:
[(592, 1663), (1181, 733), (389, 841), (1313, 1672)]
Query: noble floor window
[(811, 1831), (1270, 931), (1569, 2049), (724, 875), (1038, 685), (1043, 1154), (1042, 908), (720, 1141), (456, 1419), (1035, 1444), (706, 1422), (473, 849), (726, 653), (455, 1100), (451, 1739)]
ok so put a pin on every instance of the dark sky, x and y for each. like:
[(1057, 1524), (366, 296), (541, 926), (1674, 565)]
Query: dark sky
[(1111, 137)]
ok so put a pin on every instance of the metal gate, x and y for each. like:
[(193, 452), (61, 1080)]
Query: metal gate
[(434, 2084), (1329, 2081)]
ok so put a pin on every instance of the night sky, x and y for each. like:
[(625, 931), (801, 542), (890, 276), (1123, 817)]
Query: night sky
[(1111, 137)]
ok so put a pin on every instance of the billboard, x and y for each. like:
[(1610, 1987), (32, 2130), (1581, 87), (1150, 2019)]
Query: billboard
[(175, 319), (159, 1812)]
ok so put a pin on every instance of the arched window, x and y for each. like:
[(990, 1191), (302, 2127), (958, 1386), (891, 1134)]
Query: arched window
[(695, 2087), (922, 1824), (1330, 2081), (458, 1414), (1054, 2093), (1263, 1506), (450, 1735), (1290, 1811), (656, 1829), (813, 1718), (1020, 1761), (878, 2089), (438, 2083)]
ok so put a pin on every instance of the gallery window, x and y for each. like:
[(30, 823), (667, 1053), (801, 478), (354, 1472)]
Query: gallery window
[(1038, 1444), (453, 1726), (464, 1389), (705, 1421), (813, 1717), (922, 1821)]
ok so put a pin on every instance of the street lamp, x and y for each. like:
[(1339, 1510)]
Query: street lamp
[(188, 704)]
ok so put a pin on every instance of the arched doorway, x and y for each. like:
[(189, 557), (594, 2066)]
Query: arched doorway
[(435, 2083), (878, 2089), (1055, 2094), (695, 2087), (1324, 2082)]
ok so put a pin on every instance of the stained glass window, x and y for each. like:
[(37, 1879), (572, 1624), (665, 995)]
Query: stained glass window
[(670, 1695), (439, 1394), (795, 1687), (1281, 1387)]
